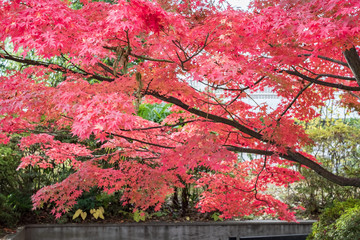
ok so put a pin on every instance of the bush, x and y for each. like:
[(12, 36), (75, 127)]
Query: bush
[(20, 201), (348, 225), (331, 218), (8, 217), (9, 161)]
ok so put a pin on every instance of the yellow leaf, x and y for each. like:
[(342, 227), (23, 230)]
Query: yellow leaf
[(96, 214), (77, 213), (187, 218), (101, 215), (83, 215), (101, 209), (92, 211)]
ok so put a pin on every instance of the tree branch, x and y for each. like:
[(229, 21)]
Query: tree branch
[(49, 65), (140, 141), (290, 155), (327, 59), (335, 76), (299, 158), (353, 60), (207, 115), (327, 84), (156, 127), (294, 100), (150, 59)]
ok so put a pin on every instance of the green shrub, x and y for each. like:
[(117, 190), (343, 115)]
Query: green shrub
[(8, 217), (348, 225), (9, 161), (20, 201), (326, 227), (154, 112)]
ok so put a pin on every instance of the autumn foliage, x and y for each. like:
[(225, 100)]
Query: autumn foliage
[(93, 63)]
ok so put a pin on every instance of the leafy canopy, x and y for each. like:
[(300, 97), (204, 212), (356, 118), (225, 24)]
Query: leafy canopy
[(86, 67)]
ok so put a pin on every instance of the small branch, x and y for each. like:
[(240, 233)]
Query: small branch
[(199, 51), (128, 41), (249, 150), (74, 65), (327, 59), (294, 100), (178, 45), (150, 59), (335, 76), (327, 84), (328, 75), (140, 141), (243, 89), (233, 89), (50, 66), (157, 127), (256, 182)]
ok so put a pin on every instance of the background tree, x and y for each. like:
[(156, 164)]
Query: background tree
[(336, 147), (112, 56)]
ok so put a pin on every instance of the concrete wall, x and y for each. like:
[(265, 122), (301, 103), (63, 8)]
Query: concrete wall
[(162, 231)]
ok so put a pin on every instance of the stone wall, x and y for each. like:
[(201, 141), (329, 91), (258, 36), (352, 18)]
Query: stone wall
[(163, 231)]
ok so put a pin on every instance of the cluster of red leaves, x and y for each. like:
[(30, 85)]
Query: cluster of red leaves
[(51, 152)]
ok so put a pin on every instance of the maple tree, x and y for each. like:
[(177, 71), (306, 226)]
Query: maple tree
[(110, 57)]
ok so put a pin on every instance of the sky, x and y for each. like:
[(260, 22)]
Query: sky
[(239, 3)]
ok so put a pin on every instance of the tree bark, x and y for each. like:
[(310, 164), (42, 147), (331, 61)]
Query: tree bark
[(353, 60)]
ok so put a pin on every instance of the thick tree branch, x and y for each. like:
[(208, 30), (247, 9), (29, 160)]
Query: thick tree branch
[(353, 60), (354, 95), (299, 158), (342, 181), (106, 68), (290, 155), (207, 115), (316, 81)]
